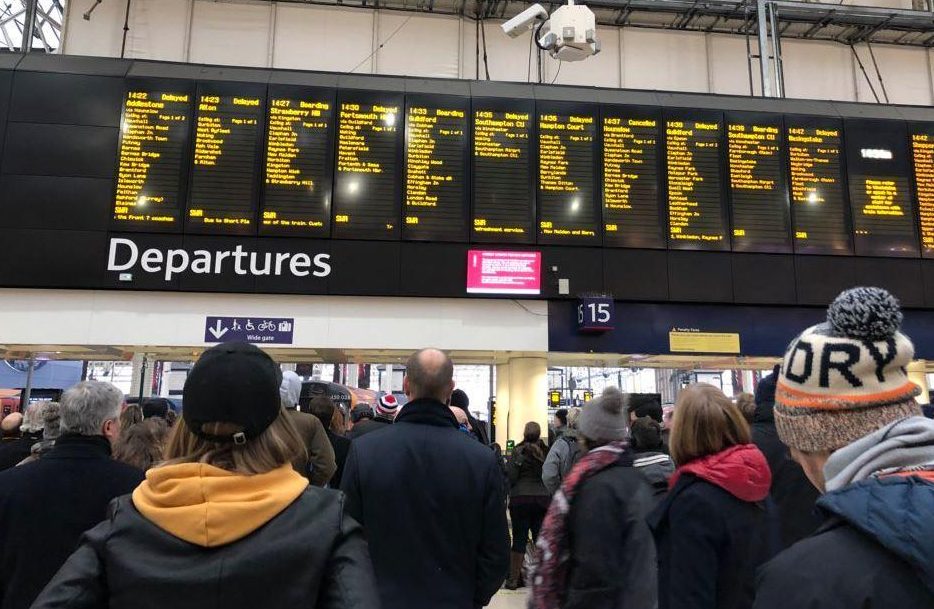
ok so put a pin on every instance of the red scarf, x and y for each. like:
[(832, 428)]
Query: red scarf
[(549, 582), (740, 470)]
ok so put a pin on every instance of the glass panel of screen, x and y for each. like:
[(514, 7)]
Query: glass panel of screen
[(246, 159)]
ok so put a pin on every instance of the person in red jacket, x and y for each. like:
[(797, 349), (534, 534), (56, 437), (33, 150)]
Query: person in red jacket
[(715, 527)]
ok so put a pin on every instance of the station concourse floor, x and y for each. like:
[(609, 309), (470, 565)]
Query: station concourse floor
[(510, 599)]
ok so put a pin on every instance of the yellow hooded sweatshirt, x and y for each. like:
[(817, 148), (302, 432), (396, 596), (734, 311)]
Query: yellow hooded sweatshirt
[(212, 507)]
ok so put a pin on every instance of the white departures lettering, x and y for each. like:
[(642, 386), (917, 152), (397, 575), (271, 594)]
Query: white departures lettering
[(125, 254)]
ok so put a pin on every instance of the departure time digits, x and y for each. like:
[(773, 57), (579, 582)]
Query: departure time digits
[(922, 148), (502, 197), (365, 202), (434, 174), (565, 178), (153, 138), (297, 184), (761, 220), (227, 132), (630, 182), (694, 204)]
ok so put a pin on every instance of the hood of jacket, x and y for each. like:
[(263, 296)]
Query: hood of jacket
[(212, 507), (740, 470), (291, 389), (905, 443), (894, 510)]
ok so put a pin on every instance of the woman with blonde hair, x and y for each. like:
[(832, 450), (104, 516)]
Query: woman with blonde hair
[(715, 528), (225, 520)]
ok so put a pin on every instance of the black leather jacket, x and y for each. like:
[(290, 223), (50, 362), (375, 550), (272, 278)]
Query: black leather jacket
[(310, 555)]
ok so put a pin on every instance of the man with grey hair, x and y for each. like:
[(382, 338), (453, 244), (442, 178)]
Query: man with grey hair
[(430, 498), (46, 505)]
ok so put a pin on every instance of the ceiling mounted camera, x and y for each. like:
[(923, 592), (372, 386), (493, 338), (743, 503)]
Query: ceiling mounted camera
[(568, 34)]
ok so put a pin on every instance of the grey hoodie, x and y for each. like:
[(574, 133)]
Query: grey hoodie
[(905, 443)]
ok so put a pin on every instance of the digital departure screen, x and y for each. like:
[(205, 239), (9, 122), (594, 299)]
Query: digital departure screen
[(567, 210), (817, 193), (878, 170), (922, 153), (631, 213), (367, 185), (761, 219), (503, 207), (228, 132), (696, 211), (435, 204), (152, 154), (297, 186)]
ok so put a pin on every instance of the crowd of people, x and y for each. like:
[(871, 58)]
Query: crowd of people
[(814, 492)]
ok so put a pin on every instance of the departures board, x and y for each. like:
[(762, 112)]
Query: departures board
[(256, 159)]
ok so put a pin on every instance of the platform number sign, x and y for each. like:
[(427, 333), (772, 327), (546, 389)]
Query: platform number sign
[(595, 314)]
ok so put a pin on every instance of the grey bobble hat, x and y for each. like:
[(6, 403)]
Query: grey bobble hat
[(604, 418)]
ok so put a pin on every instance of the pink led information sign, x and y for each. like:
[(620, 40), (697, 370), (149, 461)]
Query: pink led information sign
[(495, 272)]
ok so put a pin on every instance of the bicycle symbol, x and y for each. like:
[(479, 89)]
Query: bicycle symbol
[(267, 326)]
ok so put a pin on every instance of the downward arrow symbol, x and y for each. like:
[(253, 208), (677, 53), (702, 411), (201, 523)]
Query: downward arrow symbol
[(218, 331)]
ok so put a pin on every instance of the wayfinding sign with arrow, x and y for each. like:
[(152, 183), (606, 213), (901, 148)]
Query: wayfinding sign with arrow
[(263, 330)]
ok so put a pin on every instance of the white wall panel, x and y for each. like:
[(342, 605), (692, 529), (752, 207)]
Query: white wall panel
[(76, 317), (508, 58), (100, 36), (670, 61), (231, 33), (818, 70), (728, 66), (159, 29), (601, 70), (904, 71), (318, 38), (338, 39), (421, 46)]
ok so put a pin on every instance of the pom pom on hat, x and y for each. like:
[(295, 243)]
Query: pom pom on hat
[(604, 418), (612, 400), (866, 313)]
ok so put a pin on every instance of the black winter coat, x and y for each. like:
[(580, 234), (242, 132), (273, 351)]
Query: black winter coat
[(711, 544), (613, 563), (11, 453), (365, 426), (46, 505), (309, 555), (794, 496), (341, 446), (431, 501), (524, 469), (876, 550)]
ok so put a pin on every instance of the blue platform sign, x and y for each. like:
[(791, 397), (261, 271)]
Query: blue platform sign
[(595, 314), (262, 330)]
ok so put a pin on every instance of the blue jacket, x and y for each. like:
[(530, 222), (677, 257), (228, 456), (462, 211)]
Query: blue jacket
[(876, 550)]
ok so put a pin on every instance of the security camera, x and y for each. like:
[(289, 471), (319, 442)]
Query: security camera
[(524, 21), (568, 34)]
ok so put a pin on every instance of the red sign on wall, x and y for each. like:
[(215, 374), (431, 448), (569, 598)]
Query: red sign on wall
[(495, 272)]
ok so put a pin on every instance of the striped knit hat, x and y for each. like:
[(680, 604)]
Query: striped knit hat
[(387, 406), (846, 378)]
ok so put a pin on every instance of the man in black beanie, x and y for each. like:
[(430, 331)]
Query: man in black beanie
[(794, 495), (460, 399)]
